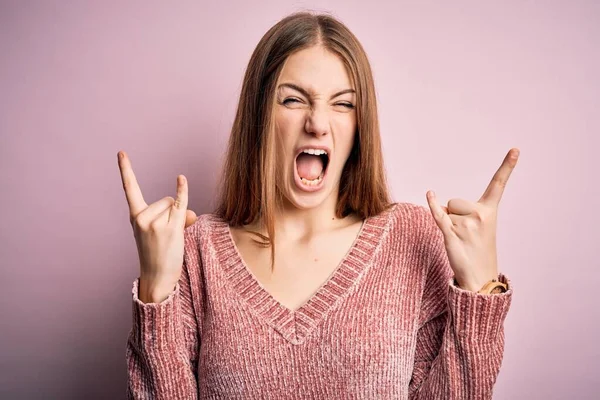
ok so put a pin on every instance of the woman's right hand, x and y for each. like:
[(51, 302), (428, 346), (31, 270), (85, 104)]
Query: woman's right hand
[(158, 229)]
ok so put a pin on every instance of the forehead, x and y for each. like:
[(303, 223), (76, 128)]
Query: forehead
[(316, 69)]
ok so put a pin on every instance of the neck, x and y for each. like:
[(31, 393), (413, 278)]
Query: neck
[(294, 223)]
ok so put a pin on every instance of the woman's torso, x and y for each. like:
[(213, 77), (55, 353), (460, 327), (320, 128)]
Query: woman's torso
[(349, 329)]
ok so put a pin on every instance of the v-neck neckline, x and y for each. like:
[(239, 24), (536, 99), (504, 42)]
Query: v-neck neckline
[(296, 325)]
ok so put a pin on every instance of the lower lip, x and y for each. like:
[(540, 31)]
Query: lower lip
[(307, 188)]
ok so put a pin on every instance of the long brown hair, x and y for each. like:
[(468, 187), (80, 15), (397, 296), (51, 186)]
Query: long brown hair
[(248, 187)]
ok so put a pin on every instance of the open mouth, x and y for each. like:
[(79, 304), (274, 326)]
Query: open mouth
[(311, 167)]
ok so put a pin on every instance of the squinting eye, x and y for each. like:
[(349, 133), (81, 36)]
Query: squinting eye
[(294, 100)]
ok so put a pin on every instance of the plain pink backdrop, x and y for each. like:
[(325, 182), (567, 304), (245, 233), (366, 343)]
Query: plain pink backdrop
[(458, 83)]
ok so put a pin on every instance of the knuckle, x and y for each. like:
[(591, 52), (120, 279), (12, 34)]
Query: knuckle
[(155, 225), (468, 223), (139, 223), (500, 182)]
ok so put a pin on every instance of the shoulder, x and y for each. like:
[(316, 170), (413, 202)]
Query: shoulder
[(410, 217), (420, 235), (206, 225), (413, 225)]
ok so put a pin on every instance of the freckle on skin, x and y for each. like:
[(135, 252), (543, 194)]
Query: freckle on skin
[(316, 259)]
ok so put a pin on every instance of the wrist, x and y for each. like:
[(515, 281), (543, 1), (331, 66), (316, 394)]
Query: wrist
[(154, 292), (473, 284), (491, 286)]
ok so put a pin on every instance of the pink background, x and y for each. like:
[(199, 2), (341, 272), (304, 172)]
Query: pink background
[(459, 84)]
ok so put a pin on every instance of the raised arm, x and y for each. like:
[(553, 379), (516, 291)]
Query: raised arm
[(162, 348)]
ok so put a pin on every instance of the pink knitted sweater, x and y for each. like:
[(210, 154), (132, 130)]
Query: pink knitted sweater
[(387, 324)]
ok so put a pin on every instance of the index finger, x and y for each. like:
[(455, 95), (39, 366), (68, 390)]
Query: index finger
[(133, 193), (495, 189)]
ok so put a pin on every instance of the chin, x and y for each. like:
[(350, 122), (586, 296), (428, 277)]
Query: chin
[(306, 202)]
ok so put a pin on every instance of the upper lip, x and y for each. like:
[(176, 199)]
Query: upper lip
[(314, 146)]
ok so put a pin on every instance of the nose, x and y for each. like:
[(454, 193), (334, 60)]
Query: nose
[(317, 122)]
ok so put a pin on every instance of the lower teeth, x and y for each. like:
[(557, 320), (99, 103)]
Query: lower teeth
[(312, 182)]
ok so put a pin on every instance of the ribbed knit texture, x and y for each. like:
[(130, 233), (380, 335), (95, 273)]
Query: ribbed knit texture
[(387, 324)]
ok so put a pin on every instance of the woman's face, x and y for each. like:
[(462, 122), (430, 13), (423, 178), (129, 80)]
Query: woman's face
[(315, 120)]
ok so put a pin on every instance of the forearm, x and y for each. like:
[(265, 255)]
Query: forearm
[(155, 343), (460, 351), (154, 292)]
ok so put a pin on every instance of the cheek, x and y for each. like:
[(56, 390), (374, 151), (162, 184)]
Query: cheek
[(287, 129), (286, 126), (284, 140), (288, 120), (346, 127)]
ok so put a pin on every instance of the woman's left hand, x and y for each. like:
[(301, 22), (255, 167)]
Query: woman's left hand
[(470, 229)]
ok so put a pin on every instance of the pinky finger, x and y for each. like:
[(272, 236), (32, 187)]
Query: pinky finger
[(178, 211), (439, 213)]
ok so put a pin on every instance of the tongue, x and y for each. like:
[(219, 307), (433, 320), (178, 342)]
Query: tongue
[(309, 166)]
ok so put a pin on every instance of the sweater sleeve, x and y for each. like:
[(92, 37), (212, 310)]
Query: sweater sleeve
[(460, 340), (163, 344)]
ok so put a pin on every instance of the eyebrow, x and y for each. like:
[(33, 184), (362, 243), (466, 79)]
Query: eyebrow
[(305, 92)]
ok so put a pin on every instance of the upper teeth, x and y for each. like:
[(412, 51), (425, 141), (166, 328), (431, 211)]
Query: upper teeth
[(316, 152)]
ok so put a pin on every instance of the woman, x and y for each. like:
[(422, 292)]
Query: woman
[(307, 281)]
